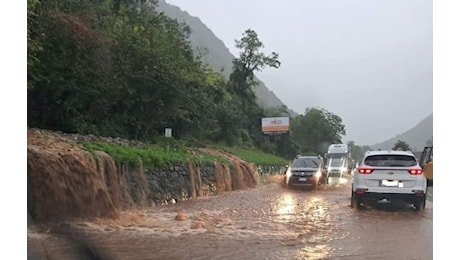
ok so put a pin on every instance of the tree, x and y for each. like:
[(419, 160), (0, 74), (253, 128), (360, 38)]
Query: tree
[(251, 59), (357, 152), (241, 85), (128, 72), (316, 129), (276, 111), (33, 38), (401, 145), (119, 68)]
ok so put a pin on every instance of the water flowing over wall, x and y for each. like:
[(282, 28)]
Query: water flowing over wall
[(64, 181)]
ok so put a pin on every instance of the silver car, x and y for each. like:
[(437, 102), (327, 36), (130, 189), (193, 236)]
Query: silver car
[(386, 176)]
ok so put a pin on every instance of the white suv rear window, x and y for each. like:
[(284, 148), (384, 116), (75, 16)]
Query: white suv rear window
[(390, 160)]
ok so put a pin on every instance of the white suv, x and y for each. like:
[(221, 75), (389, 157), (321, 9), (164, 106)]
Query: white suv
[(385, 176)]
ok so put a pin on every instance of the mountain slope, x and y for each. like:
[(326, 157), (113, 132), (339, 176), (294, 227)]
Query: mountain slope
[(217, 55), (416, 137)]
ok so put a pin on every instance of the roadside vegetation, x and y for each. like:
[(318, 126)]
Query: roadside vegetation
[(150, 155), (121, 69), (163, 155)]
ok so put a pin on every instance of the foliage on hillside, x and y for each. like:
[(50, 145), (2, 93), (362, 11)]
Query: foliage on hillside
[(217, 55), (122, 69)]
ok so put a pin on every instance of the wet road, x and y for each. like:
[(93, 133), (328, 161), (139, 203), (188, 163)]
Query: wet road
[(269, 222)]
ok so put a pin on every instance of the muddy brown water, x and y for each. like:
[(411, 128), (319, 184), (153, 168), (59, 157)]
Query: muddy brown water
[(268, 222)]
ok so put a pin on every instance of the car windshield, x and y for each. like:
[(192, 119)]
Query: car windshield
[(336, 155), (336, 162), (305, 163), (391, 160)]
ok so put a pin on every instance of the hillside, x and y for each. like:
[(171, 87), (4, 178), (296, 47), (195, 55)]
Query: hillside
[(217, 54), (417, 137)]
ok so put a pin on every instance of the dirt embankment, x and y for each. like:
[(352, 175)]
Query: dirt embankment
[(64, 181)]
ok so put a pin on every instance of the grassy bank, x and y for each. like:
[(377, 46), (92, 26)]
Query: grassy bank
[(164, 155)]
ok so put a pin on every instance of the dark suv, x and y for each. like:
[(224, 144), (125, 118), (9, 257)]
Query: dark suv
[(304, 171)]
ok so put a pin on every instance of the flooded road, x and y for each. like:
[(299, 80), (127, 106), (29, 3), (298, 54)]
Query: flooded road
[(269, 222)]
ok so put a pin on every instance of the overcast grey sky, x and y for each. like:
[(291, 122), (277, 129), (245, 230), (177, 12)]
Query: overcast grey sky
[(368, 61)]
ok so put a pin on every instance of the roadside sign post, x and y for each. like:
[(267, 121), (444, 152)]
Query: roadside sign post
[(168, 133)]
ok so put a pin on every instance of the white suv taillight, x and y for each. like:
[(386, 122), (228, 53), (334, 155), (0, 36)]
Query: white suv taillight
[(365, 170), (415, 171)]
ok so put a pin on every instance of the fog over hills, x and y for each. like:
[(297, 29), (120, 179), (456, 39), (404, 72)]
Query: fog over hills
[(417, 137)]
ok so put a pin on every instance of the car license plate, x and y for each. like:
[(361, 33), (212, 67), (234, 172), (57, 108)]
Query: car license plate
[(302, 179), (393, 183)]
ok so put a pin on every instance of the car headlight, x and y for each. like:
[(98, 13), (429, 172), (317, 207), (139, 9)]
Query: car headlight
[(318, 174)]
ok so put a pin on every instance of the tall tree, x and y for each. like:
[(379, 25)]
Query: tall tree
[(241, 83), (251, 59)]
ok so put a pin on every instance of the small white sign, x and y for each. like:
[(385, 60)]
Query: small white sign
[(168, 132)]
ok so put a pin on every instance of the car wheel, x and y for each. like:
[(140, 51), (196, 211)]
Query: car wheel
[(420, 205), (315, 187), (321, 181), (355, 202)]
